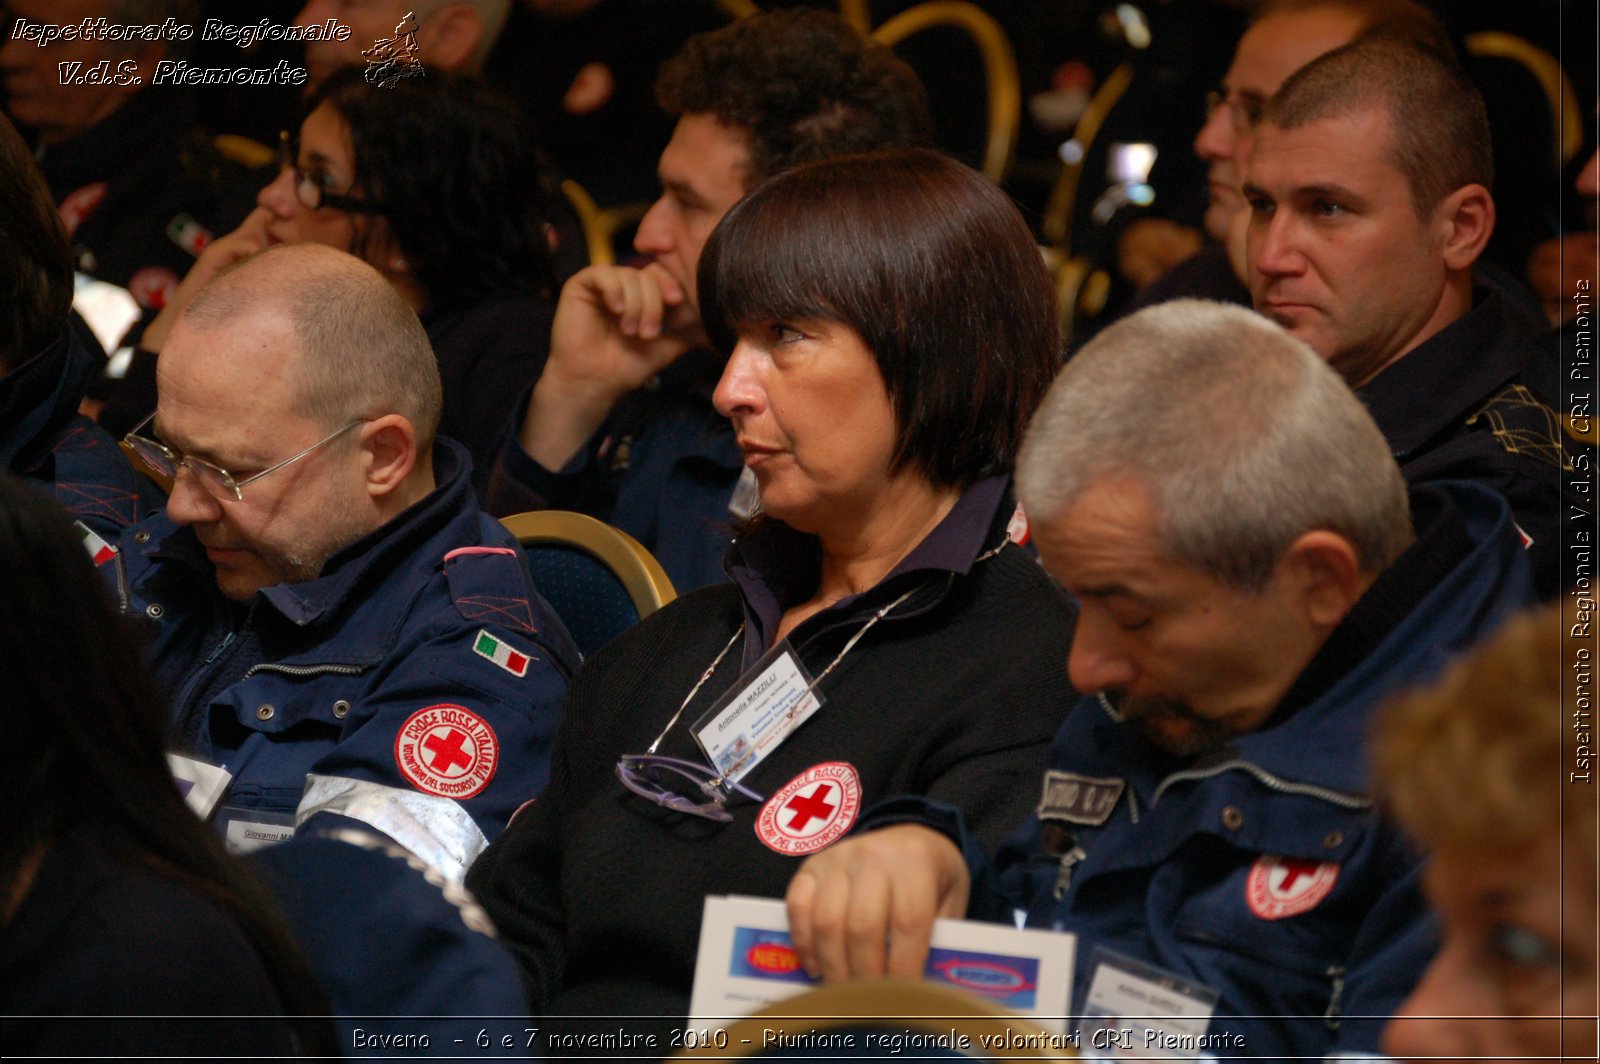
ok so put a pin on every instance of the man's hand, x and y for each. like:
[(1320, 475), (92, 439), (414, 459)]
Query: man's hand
[(249, 238), (864, 908), (615, 328)]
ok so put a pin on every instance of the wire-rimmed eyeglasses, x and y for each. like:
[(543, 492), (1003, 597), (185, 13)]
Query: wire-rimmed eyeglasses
[(1244, 109), (218, 482), (310, 190)]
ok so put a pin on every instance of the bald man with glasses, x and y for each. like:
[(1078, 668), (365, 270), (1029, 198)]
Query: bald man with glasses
[(344, 635)]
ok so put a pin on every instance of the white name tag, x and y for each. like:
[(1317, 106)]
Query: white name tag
[(1138, 1012), (201, 785), (246, 836), (749, 722)]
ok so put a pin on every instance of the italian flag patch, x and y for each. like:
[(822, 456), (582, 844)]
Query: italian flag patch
[(500, 652), (99, 550)]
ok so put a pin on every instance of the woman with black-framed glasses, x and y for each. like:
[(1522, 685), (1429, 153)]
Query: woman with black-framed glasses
[(888, 325), (434, 182)]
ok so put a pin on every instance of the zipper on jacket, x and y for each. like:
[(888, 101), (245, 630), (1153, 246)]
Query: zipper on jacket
[(304, 670), (1335, 1002), (1069, 861), (1348, 801)]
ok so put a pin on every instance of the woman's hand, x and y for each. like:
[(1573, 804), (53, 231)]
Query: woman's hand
[(249, 238), (864, 908)]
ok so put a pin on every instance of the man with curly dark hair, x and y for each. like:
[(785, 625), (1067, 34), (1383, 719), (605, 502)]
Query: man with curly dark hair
[(620, 424)]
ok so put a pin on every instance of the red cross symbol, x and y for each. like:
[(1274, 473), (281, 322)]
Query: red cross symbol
[(808, 809), (446, 751), (1293, 870)]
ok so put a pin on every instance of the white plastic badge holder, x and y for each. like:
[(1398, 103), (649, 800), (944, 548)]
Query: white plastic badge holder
[(1134, 1011), (763, 709), (201, 785)]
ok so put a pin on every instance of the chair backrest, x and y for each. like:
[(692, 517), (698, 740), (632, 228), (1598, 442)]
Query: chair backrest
[(1003, 83), (598, 579), (885, 1007), (1566, 114), (601, 225)]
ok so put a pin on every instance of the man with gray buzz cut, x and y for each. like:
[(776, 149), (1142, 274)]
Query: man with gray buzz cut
[(1252, 577), (345, 637)]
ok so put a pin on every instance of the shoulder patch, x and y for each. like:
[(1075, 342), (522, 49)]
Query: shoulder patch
[(490, 585), (487, 645), (447, 750)]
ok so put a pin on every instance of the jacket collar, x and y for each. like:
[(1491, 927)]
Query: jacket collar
[(449, 513), (40, 396), (776, 567), (1450, 374), (1464, 570)]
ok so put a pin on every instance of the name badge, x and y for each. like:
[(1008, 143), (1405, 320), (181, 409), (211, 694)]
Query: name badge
[(1135, 1011), (252, 829), (201, 785), (749, 722)]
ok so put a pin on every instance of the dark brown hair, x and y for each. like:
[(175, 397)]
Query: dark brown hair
[(35, 266), (1438, 128), (803, 84), (931, 265)]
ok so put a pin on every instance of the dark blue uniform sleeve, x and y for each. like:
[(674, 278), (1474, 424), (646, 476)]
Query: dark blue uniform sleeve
[(458, 730)]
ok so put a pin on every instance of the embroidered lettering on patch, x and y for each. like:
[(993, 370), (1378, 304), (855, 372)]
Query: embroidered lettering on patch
[(1078, 799), (812, 810), (447, 750), (1281, 887), (501, 653)]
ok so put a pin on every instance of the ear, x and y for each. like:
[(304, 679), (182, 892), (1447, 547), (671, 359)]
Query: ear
[(389, 454), (1325, 575), (1465, 221), (449, 36)]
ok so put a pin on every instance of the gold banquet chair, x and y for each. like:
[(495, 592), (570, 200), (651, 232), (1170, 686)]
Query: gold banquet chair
[(999, 68), (599, 580)]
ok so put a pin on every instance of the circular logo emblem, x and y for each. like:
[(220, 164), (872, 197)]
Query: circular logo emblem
[(78, 204), (447, 750), (812, 810), (153, 286), (1280, 886)]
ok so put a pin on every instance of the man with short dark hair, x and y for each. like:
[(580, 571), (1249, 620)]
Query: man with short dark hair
[(342, 632), (1283, 36), (1252, 579), (1368, 184), (46, 369), (656, 459)]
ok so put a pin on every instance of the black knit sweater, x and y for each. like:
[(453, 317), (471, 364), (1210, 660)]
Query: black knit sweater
[(955, 695)]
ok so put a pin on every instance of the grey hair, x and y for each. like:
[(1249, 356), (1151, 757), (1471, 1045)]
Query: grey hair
[(1243, 437), (363, 351)]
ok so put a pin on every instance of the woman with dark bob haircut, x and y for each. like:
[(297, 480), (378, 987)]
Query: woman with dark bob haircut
[(432, 181), (116, 901), (888, 328)]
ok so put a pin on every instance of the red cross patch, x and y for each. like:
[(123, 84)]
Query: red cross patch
[(812, 810), (447, 750), (1280, 887)]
